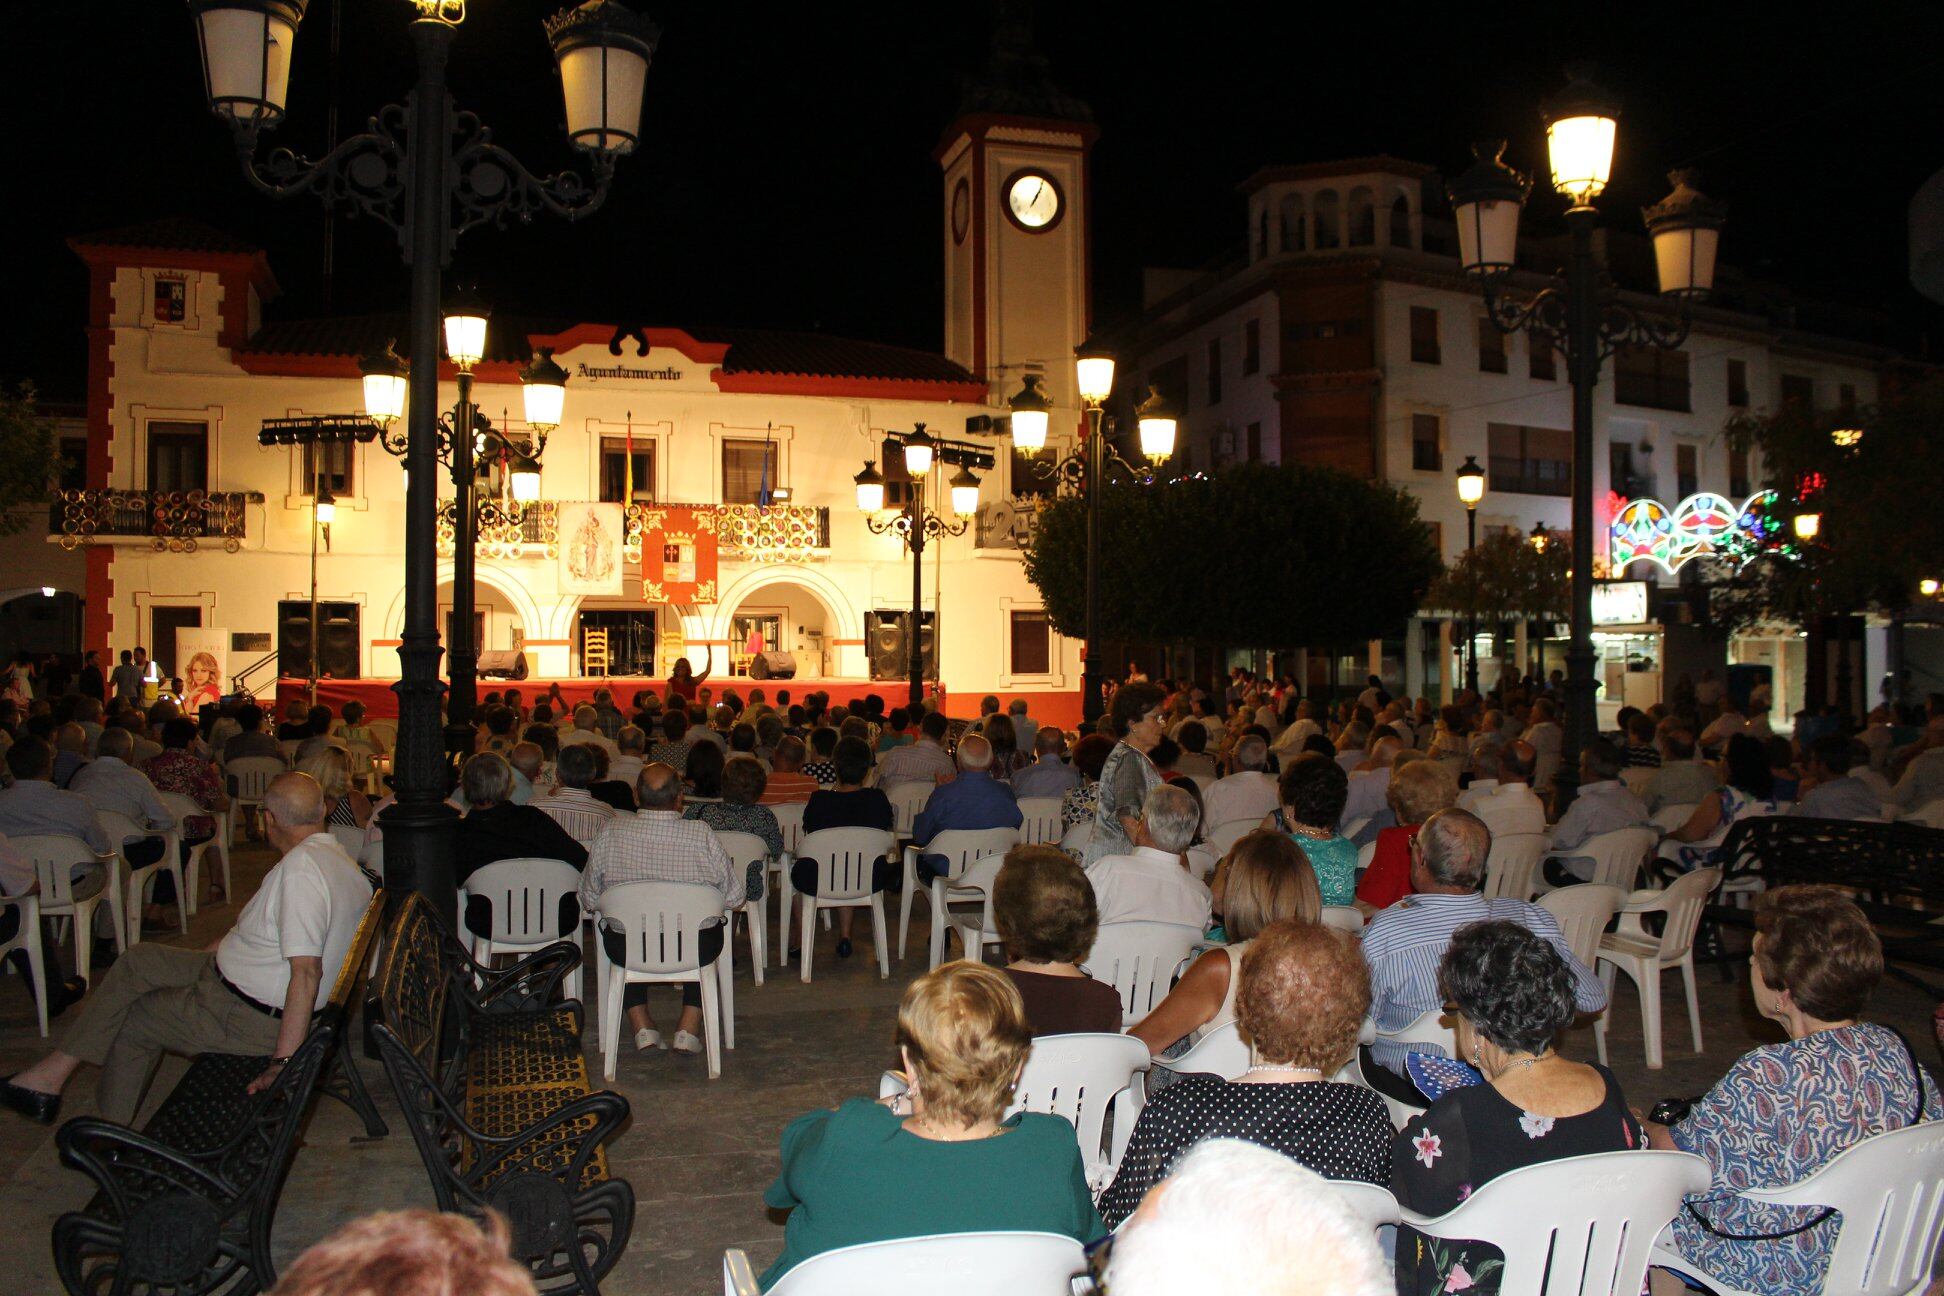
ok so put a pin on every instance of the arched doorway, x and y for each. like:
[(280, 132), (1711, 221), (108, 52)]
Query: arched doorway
[(784, 617)]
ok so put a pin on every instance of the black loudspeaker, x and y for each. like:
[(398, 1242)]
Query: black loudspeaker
[(338, 645), (772, 665), (890, 655), (507, 663)]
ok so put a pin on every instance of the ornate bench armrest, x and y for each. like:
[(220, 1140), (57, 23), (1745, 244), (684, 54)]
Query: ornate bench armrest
[(521, 1151), (132, 1168), (526, 986)]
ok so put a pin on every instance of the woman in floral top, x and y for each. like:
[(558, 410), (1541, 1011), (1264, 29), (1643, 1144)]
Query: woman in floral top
[(174, 769), (743, 781), (1513, 994)]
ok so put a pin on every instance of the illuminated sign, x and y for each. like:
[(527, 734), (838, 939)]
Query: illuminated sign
[(1619, 602), (1704, 525)]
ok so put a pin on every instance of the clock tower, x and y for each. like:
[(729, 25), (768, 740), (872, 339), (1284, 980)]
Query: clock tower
[(1016, 253)]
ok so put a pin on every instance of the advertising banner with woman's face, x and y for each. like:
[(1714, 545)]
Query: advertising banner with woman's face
[(202, 657)]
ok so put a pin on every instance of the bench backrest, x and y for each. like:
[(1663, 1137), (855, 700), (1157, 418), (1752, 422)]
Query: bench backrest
[(415, 985), (1885, 860)]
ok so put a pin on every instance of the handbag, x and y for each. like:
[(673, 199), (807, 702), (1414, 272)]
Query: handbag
[(1916, 1118)]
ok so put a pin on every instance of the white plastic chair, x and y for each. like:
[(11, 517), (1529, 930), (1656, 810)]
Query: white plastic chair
[(1426, 1028), (907, 799), (249, 778), (1643, 957), (1579, 1224), (1201, 862), (1074, 840), (973, 921), (1888, 1192), (662, 924), (1375, 1206), (1617, 855), (351, 837), (1366, 853), (184, 808), (845, 859), (789, 822), (959, 846), (953, 1264), (1670, 817), (1583, 912), (54, 858), (745, 849), (1343, 918), (1637, 777), (1222, 1052), (121, 830), (1139, 960), (1039, 820), (525, 896), (1930, 814), (27, 939), (1223, 836), (1512, 863)]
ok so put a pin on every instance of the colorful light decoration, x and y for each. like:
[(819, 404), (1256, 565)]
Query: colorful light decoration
[(1704, 525)]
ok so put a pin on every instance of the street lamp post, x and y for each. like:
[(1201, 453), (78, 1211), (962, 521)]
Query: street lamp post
[(1471, 489), (917, 524), (429, 173), (1583, 316)]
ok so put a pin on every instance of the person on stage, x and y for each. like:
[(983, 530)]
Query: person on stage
[(683, 681)]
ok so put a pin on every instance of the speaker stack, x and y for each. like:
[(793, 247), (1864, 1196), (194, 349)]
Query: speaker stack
[(889, 646)]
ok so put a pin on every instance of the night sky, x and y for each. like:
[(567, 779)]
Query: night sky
[(787, 179)]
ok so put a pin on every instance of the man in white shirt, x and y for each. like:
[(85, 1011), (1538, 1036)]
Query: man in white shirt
[(587, 730), (1512, 806), (1153, 884), (254, 992), (626, 767), (1025, 728), (1248, 793), (1546, 738), (1603, 804), (1300, 730), (1368, 787), (110, 783), (570, 804)]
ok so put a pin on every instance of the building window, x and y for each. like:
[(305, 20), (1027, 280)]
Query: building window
[(1650, 377), (178, 456), (1424, 334), (1529, 460), (1427, 453), (334, 464), (1215, 371), (748, 471), (1255, 443), (1251, 347), (1738, 473), (1846, 398), (74, 464), (1400, 223), (1031, 643), (1437, 537), (897, 479), (1799, 389), (1029, 484), (614, 469), (1620, 469), (1738, 383), (1491, 347), (1687, 470), (1539, 362), (171, 300)]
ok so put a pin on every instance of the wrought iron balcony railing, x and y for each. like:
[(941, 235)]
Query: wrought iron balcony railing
[(170, 521), (778, 533)]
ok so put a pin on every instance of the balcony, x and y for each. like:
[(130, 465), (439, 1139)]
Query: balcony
[(779, 533), (166, 521)]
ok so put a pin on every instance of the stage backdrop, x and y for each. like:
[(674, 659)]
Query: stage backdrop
[(590, 549), (202, 660), (678, 554)]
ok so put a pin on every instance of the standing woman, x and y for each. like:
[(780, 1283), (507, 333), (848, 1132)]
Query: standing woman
[(683, 681), (1129, 774), (1006, 759)]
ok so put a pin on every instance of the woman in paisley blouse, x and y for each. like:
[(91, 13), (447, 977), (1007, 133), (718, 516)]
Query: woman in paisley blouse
[(1785, 1109), (742, 782), (1513, 995), (1089, 755)]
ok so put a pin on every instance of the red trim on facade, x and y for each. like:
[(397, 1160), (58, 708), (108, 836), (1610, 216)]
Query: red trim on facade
[(600, 335), (920, 389), (387, 643), (97, 621), (981, 290), (546, 643)]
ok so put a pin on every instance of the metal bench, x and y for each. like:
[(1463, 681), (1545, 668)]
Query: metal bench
[(187, 1204), (489, 1070), (1894, 872)]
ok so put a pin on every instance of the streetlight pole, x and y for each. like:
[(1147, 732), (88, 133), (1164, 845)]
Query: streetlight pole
[(1471, 489), (1584, 316), (1094, 674), (430, 174)]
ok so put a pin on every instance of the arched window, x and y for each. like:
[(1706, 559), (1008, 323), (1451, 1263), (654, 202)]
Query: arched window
[(1295, 234), (1400, 222), (1326, 219), (1363, 218), (1262, 232)]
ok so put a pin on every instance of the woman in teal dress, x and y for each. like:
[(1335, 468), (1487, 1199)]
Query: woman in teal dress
[(1312, 791), (943, 1158)]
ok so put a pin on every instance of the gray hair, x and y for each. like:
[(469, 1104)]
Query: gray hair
[(116, 742), (486, 779), (585, 716), (1016, 707), (1171, 817), (1454, 844), (631, 740), (576, 765), (1235, 1216), (1252, 753), (974, 753)]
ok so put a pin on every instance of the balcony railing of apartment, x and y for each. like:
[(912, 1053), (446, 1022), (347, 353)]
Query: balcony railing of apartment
[(778, 533), (168, 521)]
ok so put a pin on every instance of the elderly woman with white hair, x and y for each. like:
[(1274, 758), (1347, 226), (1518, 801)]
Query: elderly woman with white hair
[(1152, 882), (1235, 1217)]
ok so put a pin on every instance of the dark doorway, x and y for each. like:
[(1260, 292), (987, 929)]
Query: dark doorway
[(163, 624)]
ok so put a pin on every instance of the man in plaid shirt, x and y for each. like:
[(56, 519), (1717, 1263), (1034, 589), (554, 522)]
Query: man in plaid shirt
[(656, 844)]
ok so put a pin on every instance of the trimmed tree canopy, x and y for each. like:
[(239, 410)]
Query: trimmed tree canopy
[(1254, 554)]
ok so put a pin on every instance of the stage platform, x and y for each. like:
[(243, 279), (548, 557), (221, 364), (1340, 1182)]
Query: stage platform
[(1056, 707)]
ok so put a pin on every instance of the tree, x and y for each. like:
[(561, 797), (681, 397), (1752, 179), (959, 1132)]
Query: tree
[(1252, 555), (30, 462), (1504, 578)]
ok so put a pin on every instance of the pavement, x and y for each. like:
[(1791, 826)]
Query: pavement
[(700, 1153)]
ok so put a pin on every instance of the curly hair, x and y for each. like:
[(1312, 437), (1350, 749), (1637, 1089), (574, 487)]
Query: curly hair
[(1131, 702), (410, 1251), (1314, 788), (964, 1027), (1509, 983), (1044, 906), (1303, 996)]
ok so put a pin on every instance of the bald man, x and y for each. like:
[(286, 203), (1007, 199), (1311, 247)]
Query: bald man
[(973, 800), (252, 992)]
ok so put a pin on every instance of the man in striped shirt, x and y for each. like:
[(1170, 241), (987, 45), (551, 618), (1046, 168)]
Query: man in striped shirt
[(1405, 943), (570, 804)]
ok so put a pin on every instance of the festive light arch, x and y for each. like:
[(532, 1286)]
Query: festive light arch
[(1704, 525)]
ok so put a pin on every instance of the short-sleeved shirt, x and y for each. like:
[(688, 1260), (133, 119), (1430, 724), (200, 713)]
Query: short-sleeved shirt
[(856, 1175), (308, 907), (1125, 780)]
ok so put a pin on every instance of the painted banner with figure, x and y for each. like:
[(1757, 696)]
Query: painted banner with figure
[(678, 554), (202, 661), (590, 549)]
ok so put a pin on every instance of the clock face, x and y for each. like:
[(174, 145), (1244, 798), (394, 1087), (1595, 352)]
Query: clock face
[(1033, 200), (961, 210)]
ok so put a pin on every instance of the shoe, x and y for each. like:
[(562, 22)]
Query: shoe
[(65, 995), (41, 1108), (843, 947), (687, 1043), (647, 1039)]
